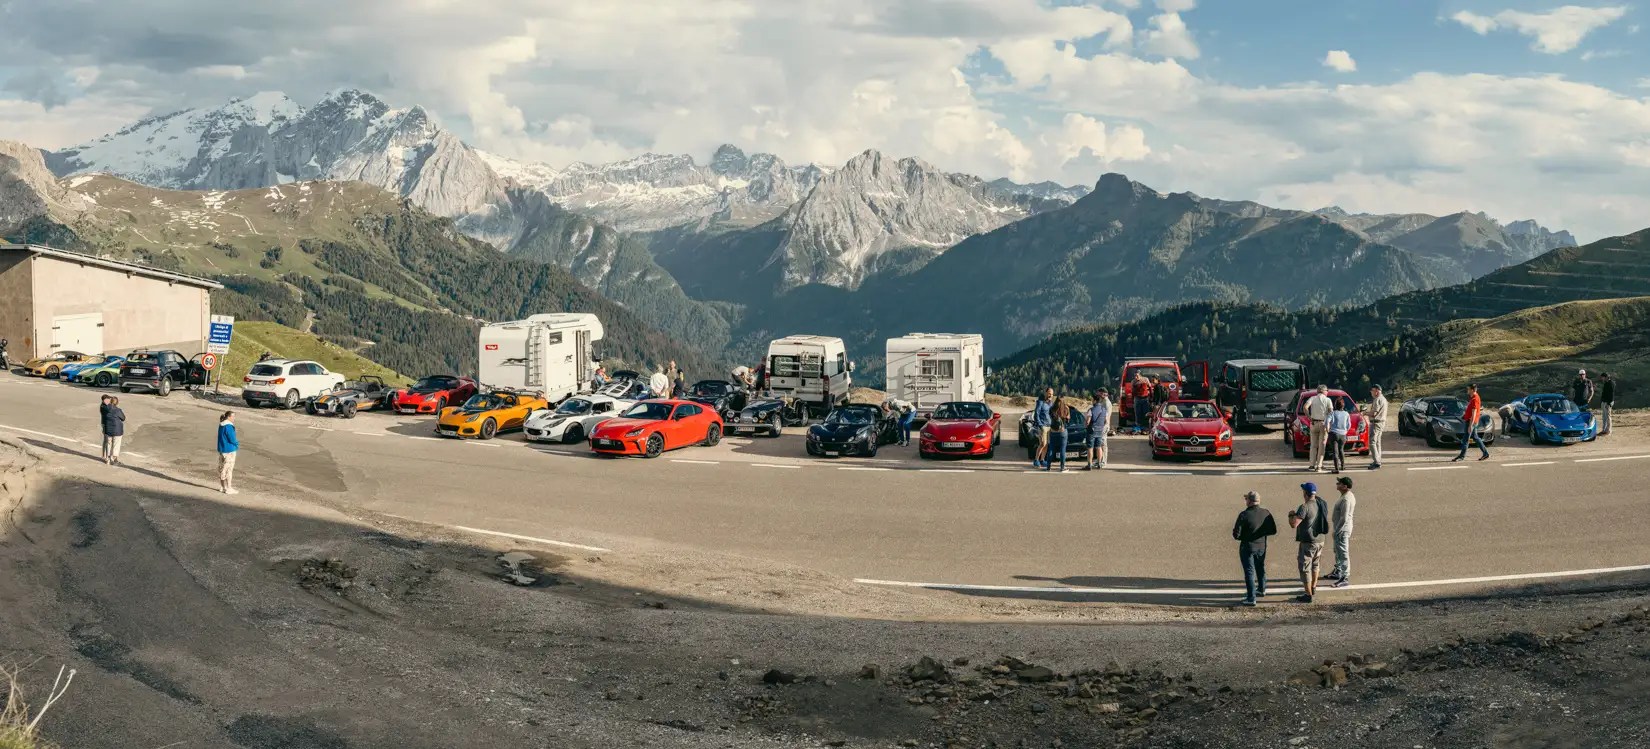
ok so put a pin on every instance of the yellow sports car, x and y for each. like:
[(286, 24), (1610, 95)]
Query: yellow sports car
[(486, 414), (51, 365)]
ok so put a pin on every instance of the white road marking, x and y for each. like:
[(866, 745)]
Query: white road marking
[(1258, 473), (1436, 468), (369, 434), (946, 470), (133, 454), (1619, 457), (44, 434), (530, 538), (771, 465), (319, 429), (485, 444), (697, 462), (1535, 463), (432, 439), (1160, 473), (862, 468), (1240, 590)]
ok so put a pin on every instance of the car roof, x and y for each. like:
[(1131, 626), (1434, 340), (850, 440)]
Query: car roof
[(1435, 398), (1150, 363), (1261, 363)]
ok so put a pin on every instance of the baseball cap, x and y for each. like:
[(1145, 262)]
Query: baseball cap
[(1311, 487)]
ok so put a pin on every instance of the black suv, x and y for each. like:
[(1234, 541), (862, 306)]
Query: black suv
[(160, 371)]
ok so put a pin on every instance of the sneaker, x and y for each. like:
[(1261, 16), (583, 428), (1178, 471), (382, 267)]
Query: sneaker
[(1303, 598), (1246, 602), (1330, 576), (1341, 583), (1486, 457), (231, 491), (1260, 592), (1062, 469), (1374, 466), (1457, 459)]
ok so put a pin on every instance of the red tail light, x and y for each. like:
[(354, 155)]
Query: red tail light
[(246, 379), (279, 381)]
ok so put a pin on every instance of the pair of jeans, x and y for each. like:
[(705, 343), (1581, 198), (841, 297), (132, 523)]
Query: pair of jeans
[(1253, 559), (1472, 435), (1337, 451), (1056, 444), (1343, 556), (905, 427), (1141, 410), (1375, 428)]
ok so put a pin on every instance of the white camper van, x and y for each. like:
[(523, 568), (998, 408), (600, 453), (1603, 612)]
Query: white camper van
[(813, 369), (552, 354), (928, 369)]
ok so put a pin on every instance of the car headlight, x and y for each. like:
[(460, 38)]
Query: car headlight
[(813, 436), (634, 432), (1159, 434), (985, 435), (1225, 435)]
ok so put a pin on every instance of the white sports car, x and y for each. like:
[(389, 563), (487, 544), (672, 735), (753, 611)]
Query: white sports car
[(574, 419)]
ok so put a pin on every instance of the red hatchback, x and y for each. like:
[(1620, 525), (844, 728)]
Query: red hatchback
[(1191, 429), (433, 393), (651, 427), (962, 429), (1297, 430)]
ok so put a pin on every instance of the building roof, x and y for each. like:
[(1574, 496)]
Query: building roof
[(120, 266)]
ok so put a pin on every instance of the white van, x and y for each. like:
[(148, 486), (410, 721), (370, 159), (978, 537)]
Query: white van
[(552, 354), (927, 369), (813, 369)]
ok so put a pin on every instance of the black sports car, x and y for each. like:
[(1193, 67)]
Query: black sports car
[(852, 429), (722, 396), (1438, 419), (1077, 436), (367, 393), (768, 414)]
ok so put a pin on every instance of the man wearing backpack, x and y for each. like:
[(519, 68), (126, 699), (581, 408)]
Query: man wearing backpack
[(1311, 524)]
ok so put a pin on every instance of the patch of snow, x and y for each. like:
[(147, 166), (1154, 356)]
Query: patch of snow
[(74, 184)]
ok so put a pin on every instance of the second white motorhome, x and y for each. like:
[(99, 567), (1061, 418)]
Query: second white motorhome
[(928, 369), (813, 369), (553, 354)]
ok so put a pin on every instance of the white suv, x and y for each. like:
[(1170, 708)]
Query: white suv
[(287, 383)]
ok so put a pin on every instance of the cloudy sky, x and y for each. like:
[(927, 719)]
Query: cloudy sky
[(1517, 108)]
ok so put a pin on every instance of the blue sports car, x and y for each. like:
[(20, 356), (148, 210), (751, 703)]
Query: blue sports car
[(1550, 417), (70, 371)]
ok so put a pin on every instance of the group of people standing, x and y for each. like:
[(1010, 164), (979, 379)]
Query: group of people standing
[(1149, 393), (112, 419), (1051, 417), (1313, 521)]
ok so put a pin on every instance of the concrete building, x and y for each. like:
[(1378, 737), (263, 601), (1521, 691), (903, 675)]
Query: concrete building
[(56, 300)]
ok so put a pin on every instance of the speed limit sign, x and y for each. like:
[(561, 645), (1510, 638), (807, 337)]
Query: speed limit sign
[(208, 361)]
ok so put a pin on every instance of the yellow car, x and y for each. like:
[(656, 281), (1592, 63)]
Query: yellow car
[(51, 365), (486, 414)]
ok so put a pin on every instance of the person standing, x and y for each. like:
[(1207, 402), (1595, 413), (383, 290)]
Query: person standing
[(229, 445), (1141, 402), (1099, 420), (1059, 414), (1253, 525), (1376, 414), (1469, 426), (598, 380), (1160, 394), (1340, 424), (1311, 524), (1341, 526), (1581, 390), (903, 414), (1039, 422), (671, 372), (1606, 401), (114, 427), (1318, 409), (678, 386)]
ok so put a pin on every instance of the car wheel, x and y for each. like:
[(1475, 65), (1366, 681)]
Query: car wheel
[(291, 400), (713, 435), (51, 373), (991, 453), (776, 425), (1533, 439), (1432, 439), (309, 408), (165, 388), (125, 389), (655, 446), (489, 429), (1155, 456), (922, 455), (574, 433), (348, 410), (1403, 427), (440, 403), (103, 380)]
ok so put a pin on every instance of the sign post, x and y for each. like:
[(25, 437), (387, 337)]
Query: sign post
[(218, 336)]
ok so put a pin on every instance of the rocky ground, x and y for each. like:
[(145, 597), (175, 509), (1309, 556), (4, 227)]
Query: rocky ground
[(248, 622)]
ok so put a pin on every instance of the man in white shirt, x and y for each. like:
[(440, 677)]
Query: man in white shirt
[(1318, 409), (1341, 527), (1376, 413)]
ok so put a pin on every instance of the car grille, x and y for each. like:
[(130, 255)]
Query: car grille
[(444, 429), (1570, 433), (535, 433), (1199, 440)]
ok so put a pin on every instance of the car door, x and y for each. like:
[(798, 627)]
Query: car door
[(1196, 375), (515, 412), (681, 425)]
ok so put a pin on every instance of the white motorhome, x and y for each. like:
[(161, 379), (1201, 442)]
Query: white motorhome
[(553, 354), (928, 369), (813, 369)]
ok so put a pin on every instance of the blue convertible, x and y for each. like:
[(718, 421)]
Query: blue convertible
[(1550, 417)]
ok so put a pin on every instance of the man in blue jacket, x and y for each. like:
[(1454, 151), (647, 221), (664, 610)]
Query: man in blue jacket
[(228, 446)]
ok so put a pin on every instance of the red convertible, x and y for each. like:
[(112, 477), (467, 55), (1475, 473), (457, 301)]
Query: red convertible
[(651, 427), (961, 428), (1297, 431), (433, 393), (1191, 429)]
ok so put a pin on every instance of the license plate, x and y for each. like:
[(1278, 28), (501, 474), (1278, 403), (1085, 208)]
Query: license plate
[(830, 453), (607, 443), (746, 420), (1571, 440), (1197, 449), (951, 445)]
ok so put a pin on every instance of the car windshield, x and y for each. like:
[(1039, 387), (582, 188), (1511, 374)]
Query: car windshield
[(141, 357), (573, 407), (485, 402), (648, 411), (1449, 409), (1190, 411), (434, 383), (851, 416), (265, 370), (711, 388), (1554, 406), (1167, 374), (962, 411)]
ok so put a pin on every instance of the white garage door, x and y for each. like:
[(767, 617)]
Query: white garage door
[(83, 333)]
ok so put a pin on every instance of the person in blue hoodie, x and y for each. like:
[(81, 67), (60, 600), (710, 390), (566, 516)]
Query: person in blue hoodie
[(228, 446)]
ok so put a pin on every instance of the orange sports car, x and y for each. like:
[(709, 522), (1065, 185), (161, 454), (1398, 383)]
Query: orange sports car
[(653, 426), (486, 414)]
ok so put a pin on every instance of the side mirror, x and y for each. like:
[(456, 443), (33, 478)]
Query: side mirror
[(850, 366)]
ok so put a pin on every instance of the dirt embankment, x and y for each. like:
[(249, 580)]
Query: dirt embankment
[(257, 622)]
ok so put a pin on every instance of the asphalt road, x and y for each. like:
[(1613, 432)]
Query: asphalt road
[(1137, 531)]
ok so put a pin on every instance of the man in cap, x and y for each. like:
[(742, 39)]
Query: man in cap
[(1375, 412), (1581, 390), (1311, 524), (1253, 525)]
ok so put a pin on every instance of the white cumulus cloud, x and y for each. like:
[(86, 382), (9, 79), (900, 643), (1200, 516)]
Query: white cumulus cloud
[(1169, 37), (1340, 61), (1554, 32)]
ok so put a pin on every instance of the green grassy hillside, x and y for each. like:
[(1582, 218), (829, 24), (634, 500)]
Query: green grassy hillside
[(253, 338)]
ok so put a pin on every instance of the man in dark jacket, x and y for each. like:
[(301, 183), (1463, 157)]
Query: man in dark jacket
[(1253, 525), (114, 427), (1606, 401), (1311, 524), (1581, 390)]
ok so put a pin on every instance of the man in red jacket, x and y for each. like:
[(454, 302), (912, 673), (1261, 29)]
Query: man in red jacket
[(1469, 426)]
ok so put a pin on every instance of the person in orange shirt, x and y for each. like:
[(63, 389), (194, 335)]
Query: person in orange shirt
[(1469, 426)]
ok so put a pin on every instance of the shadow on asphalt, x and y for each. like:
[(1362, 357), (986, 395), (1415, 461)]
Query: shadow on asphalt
[(98, 457), (1220, 592)]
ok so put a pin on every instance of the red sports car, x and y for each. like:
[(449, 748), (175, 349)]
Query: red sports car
[(651, 427), (1297, 430), (1191, 429), (961, 428), (433, 393)]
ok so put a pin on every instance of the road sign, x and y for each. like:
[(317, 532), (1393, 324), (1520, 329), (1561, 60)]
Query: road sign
[(208, 361), (219, 333)]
